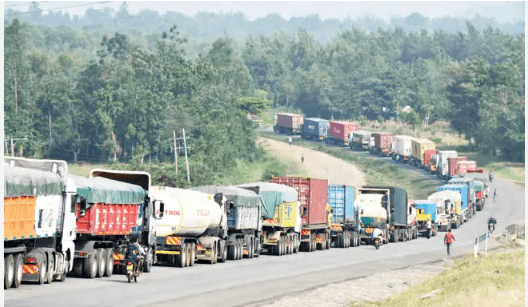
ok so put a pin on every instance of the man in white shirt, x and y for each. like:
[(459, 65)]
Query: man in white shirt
[(377, 233)]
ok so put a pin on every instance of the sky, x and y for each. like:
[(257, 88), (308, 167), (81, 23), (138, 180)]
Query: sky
[(502, 11)]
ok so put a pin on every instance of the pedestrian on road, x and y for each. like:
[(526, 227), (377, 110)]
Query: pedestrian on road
[(289, 141), (448, 239), (428, 226), (302, 158)]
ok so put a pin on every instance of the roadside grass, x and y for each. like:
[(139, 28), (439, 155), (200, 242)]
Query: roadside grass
[(496, 280), (377, 172)]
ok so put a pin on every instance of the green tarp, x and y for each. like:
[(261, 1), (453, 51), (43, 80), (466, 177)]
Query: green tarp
[(478, 186), (30, 182), (238, 196), (273, 195), (103, 190)]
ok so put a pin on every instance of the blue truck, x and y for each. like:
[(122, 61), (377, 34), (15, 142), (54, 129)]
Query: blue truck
[(315, 129), (426, 211), (346, 220), (459, 214)]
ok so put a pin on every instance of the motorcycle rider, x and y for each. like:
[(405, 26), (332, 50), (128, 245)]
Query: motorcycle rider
[(491, 176), (134, 250), (377, 234)]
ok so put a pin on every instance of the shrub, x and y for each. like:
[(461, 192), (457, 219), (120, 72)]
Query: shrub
[(381, 119)]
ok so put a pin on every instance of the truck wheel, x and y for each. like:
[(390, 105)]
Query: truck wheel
[(230, 252), (101, 262), (109, 269), (65, 268), (78, 267), (281, 247), (314, 242), (43, 269), (51, 270), (193, 254), (396, 236), (189, 254), (213, 255), (241, 249), (291, 245), (223, 258), (149, 261), (9, 271), (18, 270), (90, 266), (251, 247)]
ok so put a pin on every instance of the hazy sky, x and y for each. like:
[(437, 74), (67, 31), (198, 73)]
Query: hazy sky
[(506, 11)]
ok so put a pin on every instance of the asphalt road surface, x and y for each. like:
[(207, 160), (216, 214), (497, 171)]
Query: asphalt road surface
[(261, 280)]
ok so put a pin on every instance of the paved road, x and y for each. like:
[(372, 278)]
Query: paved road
[(262, 280)]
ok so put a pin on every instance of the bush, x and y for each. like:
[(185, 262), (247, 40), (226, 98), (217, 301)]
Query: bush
[(381, 119), (273, 169), (437, 140), (363, 120)]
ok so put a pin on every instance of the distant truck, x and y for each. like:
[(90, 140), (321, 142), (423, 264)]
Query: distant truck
[(315, 217), (244, 222), (450, 202), (39, 221), (361, 140), (466, 167), (281, 215), (402, 148), (442, 170), (422, 149), (382, 143), (288, 123), (340, 133), (453, 167), (459, 215), (427, 211), (192, 227), (480, 194), (346, 219), (472, 199), (315, 129), (431, 165), (388, 209)]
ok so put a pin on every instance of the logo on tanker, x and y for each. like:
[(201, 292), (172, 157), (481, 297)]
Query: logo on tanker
[(169, 212), (202, 212)]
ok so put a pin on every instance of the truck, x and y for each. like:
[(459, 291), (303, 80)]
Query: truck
[(315, 129), (427, 211), (281, 216), (442, 163), (480, 194), (39, 221), (315, 212), (382, 143), (465, 167), (388, 209), (450, 202), (340, 133), (459, 214), (112, 209), (402, 148), (422, 149), (244, 222), (288, 123), (453, 167), (361, 140), (346, 219), (192, 227), (471, 197), (431, 165)]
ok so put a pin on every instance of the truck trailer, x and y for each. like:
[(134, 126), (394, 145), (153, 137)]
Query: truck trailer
[(453, 167), (315, 216), (450, 202), (361, 140), (346, 220), (422, 149), (288, 123), (442, 170), (315, 129), (340, 133), (39, 221), (281, 216), (471, 197), (382, 143), (431, 161), (459, 214), (402, 148)]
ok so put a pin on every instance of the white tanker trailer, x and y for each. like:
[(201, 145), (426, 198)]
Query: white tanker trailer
[(193, 227)]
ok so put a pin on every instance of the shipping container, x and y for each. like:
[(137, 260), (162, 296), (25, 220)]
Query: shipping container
[(465, 167), (460, 188), (315, 128), (442, 169), (480, 194), (419, 149), (453, 166), (402, 147), (361, 140), (428, 153), (382, 143), (289, 123), (345, 220), (341, 132)]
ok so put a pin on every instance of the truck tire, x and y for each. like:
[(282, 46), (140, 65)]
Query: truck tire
[(223, 252), (292, 239), (90, 266), (396, 236), (213, 255), (9, 271), (149, 261), (193, 254), (51, 270), (231, 252), (241, 249), (43, 269), (314, 242), (189, 254), (101, 262), (78, 267), (65, 268), (18, 270)]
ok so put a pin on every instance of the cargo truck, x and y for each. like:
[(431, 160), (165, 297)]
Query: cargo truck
[(382, 143), (244, 222), (442, 163), (472, 200), (459, 214), (288, 123), (281, 216), (315, 129), (39, 221), (431, 165), (315, 214), (346, 219), (192, 227), (402, 148), (340, 133), (388, 209), (427, 211), (361, 140), (466, 167), (112, 209), (422, 149), (480, 195), (450, 202), (453, 167)]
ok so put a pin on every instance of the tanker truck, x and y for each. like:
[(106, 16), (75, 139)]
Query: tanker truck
[(244, 222), (39, 221), (281, 214), (192, 227), (448, 201), (373, 215)]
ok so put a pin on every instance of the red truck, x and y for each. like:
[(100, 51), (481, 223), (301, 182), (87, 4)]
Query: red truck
[(465, 167), (315, 224), (453, 166), (382, 143), (340, 133), (289, 123)]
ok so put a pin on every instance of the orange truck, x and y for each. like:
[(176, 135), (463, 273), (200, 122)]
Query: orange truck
[(39, 221)]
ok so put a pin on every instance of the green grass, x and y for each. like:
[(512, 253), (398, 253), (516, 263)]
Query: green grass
[(496, 280), (377, 172)]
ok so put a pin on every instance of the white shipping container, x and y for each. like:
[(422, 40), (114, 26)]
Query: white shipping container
[(403, 145), (443, 165)]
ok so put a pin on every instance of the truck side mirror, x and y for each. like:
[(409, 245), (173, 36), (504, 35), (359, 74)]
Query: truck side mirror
[(82, 211), (162, 209), (304, 212), (230, 207), (392, 210), (361, 211)]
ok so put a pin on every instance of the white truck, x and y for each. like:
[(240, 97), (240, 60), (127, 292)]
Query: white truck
[(446, 201), (402, 148), (442, 170), (39, 221)]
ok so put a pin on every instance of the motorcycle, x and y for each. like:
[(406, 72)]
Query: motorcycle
[(491, 224), (377, 243), (133, 270)]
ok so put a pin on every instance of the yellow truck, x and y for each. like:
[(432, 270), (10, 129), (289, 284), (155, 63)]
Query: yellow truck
[(422, 149)]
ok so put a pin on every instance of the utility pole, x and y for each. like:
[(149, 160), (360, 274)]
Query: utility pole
[(186, 160), (175, 153)]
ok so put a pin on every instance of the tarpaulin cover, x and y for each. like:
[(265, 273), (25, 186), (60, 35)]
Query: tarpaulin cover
[(30, 182), (103, 190), (238, 196), (478, 186), (273, 195)]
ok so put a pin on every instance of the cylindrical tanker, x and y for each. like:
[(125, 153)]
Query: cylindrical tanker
[(373, 214), (187, 213)]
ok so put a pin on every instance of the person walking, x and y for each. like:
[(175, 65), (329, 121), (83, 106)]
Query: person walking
[(289, 141), (494, 195), (428, 226), (448, 239), (302, 158)]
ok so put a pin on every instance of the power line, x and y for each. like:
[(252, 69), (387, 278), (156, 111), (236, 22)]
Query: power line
[(57, 8), (24, 4)]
